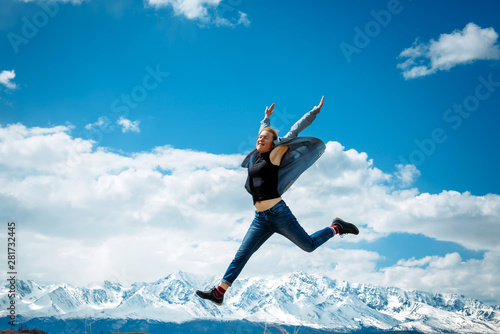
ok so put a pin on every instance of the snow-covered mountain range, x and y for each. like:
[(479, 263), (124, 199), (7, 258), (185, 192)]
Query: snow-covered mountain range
[(297, 299)]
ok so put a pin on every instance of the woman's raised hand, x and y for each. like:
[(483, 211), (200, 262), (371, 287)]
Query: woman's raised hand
[(269, 110), (320, 104)]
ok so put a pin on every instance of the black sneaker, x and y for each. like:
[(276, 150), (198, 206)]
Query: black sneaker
[(345, 227), (210, 295)]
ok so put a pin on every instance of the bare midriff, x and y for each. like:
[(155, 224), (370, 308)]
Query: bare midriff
[(267, 204)]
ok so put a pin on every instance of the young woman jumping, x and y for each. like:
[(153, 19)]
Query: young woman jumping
[(273, 166)]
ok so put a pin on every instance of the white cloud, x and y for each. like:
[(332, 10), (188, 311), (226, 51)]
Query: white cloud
[(205, 11), (460, 47), (128, 125), (103, 123), (406, 174), (192, 9), (92, 215), (6, 78), (243, 19), (449, 273)]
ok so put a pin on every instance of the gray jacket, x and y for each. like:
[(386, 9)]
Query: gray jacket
[(302, 152)]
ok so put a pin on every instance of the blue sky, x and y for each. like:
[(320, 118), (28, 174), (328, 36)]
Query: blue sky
[(118, 80), (86, 56)]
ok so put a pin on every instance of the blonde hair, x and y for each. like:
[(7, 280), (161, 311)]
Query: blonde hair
[(274, 132)]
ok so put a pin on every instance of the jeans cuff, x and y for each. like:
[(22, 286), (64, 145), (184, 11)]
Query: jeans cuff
[(224, 281)]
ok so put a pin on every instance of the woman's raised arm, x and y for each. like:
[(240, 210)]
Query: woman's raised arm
[(269, 110), (320, 104), (266, 122), (305, 121)]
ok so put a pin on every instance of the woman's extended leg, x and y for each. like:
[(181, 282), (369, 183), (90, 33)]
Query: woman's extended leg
[(258, 232), (256, 235)]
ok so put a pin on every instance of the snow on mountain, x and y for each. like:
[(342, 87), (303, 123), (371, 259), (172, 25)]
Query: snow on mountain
[(298, 299)]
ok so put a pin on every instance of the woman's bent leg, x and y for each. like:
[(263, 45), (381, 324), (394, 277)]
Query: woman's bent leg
[(256, 235), (286, 224)]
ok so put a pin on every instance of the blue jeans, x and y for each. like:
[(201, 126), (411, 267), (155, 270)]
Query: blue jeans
[(277, 219)]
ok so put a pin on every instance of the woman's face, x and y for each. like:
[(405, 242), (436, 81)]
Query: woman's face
[(264, 142)]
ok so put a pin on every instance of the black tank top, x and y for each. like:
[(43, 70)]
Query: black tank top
[(263, 177)]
